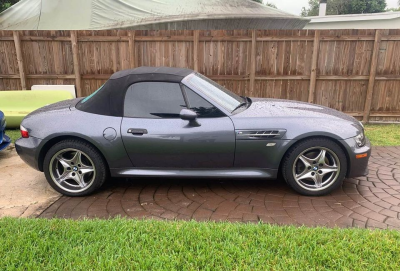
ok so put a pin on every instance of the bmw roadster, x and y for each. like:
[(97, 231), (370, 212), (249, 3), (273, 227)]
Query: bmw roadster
[(178, 123)]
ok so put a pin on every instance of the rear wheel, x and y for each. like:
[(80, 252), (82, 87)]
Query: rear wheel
[(315, 167), (74, 168)]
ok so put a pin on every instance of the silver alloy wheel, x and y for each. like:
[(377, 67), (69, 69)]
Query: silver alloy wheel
[(72, 170), (316, 168)]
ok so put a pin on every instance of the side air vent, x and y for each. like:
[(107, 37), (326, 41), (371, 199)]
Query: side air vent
[(259, 134)]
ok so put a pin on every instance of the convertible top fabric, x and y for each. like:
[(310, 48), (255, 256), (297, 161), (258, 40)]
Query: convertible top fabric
[(109, 100), (145, 15)]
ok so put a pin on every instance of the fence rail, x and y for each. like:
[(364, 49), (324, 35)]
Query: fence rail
[(355, 71)]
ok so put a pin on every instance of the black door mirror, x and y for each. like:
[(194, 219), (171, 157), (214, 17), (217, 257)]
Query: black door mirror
[(187, 114), (191, 116)]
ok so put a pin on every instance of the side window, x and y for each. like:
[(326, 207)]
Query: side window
[(203, 108), (154, 100)]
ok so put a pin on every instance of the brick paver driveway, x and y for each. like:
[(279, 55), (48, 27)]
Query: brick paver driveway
[(371, 202)]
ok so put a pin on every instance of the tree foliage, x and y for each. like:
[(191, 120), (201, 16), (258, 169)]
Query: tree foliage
[(5, 4), (271, 5), (338, 7), (393, 9), (267, 4)]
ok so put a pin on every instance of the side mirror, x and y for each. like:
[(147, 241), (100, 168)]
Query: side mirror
[(191, 116), (187, 114)]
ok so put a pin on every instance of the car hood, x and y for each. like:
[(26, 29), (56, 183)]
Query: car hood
[(286, 108), (297, 118)]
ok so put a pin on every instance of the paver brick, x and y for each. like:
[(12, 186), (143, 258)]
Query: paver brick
[(366, 202)]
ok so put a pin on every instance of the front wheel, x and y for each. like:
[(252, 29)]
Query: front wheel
[(315, 167), (74, 168)]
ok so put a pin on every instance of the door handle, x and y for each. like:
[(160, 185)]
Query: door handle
[(134, 131)]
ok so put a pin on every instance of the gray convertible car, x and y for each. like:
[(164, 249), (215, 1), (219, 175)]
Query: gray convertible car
[(175, 122)]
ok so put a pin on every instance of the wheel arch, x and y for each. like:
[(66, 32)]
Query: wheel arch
[(340, 144), (46, 147)]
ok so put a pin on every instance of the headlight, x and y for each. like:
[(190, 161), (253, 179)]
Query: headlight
[(360, 139)]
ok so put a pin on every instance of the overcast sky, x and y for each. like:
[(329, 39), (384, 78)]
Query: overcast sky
[(294, 6)]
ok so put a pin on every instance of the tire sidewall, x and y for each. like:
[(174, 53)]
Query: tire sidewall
[(96, 158), (298, 148)]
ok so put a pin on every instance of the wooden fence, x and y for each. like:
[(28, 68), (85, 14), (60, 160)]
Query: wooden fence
[(355, 71)]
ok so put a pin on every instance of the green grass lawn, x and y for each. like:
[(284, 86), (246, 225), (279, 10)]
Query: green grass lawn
[(380, 135), (13, 134), (383, 135), (118, 244)]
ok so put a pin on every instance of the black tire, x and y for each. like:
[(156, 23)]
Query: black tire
[(100, 171), (289, 168)]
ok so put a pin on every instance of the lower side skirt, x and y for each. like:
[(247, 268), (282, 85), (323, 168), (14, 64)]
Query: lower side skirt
[(197, 173)]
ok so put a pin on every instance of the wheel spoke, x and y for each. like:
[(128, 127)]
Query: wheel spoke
[(79, 180), (65, 176), (320, 159), (77, 159), (86, 170), (306, 161), (328, 169), (318, 180), (304, 175), (63, 162)]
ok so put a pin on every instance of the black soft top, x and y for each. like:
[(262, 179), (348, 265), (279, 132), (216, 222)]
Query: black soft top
[(109, 100)]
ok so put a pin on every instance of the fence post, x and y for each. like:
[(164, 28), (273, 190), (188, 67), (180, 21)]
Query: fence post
[(196, 35), (21, 67), (314, 63), (372, 76), (253, 62), (75, 55), (131, 35)]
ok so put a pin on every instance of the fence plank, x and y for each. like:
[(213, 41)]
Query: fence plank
[(196, 34), (75, 55), (131, 35), (372, 75), (313, 78), (253, 62), (114, 57), (21, 67)]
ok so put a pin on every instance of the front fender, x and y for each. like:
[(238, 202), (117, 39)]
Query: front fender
[(301, 127)]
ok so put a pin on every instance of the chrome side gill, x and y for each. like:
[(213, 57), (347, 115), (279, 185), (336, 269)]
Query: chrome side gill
[(260, 134)]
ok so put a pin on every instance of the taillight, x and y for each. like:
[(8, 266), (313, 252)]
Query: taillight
[(24, 131)]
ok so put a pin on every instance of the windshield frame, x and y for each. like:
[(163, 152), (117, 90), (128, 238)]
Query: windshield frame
[(229, 111)]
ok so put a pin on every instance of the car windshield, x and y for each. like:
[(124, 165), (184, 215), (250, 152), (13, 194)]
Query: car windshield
[(91, 95), (225, 98)]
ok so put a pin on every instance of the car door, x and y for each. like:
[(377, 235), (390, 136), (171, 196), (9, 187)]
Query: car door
[(155, 136)]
